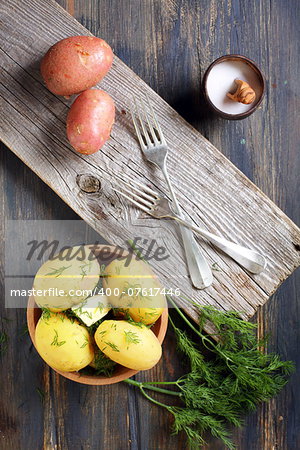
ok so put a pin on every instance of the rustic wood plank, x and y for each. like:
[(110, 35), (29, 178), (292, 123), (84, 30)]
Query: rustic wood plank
[(224, 200)]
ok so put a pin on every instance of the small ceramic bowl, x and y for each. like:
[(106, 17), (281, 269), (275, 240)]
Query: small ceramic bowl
[(121, 373), (250, 69)]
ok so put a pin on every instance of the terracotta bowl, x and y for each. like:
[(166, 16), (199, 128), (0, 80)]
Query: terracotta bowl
[(120, 374)]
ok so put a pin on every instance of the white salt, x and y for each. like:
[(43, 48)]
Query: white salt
[(220, 81)]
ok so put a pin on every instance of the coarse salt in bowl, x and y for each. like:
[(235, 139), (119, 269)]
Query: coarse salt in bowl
[(219, 80)]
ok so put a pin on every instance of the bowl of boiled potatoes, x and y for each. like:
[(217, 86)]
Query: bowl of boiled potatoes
[(97, 321)]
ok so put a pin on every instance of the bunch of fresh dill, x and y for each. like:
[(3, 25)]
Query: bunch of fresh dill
[(217, 392)]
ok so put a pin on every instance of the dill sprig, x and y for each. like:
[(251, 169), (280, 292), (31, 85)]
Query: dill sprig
[(46, 314), (72, 316), (131, 337), (24, 331), (57, 272), (55, 341), (104, 365), (84, 268), (219, 390), (93, 328), (216, 267), (41, 394), (3, 342), (113, 346)]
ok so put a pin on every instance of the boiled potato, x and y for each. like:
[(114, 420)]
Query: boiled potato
[(67, 279), (75, 64), (134, 288), (63, 343), (145, 315), (131, 346), (90, 120)]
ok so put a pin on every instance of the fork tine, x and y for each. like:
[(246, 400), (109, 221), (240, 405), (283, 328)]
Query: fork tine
[(139, 205), (137, 197), (124, 179), (139, 115), (157, 126), (141, 193), (137, 129), (143, 186), (152, 131)]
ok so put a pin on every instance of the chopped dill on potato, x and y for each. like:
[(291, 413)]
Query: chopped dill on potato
[(57, 272), (46, 313), (55, 341), (113, 346), (131, 337)]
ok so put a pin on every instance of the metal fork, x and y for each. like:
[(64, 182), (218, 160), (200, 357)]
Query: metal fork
[(159, 207), (155, 149)]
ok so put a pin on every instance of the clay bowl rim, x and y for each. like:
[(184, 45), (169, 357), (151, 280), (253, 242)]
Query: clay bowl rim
[(159, 329), (234, 57)]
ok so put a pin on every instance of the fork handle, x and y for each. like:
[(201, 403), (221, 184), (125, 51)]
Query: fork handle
[(250, 259), (199, 270)]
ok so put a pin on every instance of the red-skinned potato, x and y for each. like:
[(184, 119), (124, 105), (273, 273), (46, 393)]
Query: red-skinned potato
[(90, 120), (75, 64)]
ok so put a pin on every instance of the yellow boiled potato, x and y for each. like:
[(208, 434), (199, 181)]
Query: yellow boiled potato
[(63, 343), (66, 280), (131, 346), (134, 287), (145, 315)]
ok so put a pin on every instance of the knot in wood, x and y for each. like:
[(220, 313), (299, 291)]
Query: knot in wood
[(88, 183)]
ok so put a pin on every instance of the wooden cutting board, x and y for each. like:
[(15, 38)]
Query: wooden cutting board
[(213, 192)]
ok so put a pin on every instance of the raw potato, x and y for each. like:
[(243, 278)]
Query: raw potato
[(74, 269), (131, 346), (75, 64), (134, 289), (64, 344), (90, 120)]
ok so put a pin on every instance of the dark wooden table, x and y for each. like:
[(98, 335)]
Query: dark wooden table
[(168, 43)]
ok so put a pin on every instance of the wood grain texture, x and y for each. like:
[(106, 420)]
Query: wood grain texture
[(211, 190), (169, 44)]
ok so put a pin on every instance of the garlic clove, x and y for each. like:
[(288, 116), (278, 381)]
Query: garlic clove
[(243, 94)]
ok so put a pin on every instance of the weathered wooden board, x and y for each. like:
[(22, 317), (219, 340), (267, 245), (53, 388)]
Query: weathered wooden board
[(213, 192)]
